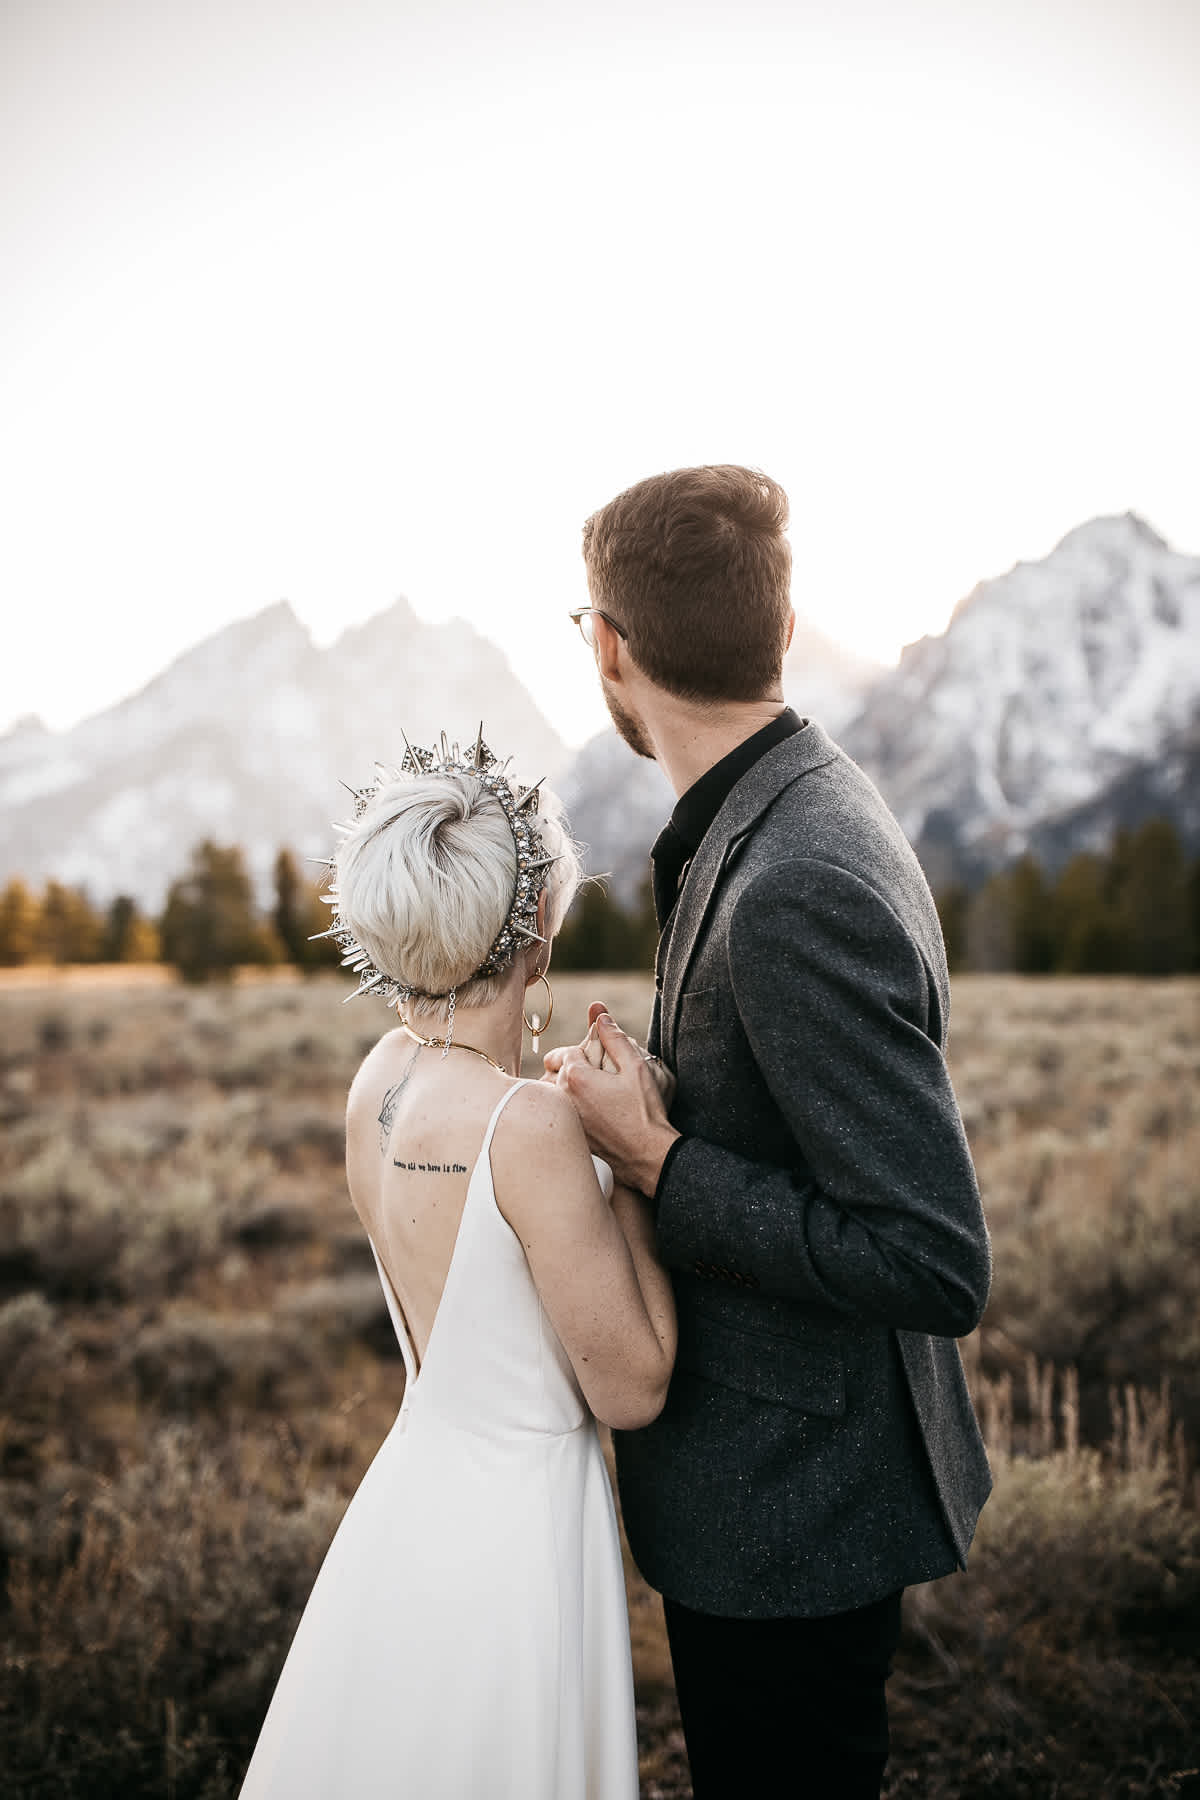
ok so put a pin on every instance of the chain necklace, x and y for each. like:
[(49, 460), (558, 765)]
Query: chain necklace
[(445, 1044)]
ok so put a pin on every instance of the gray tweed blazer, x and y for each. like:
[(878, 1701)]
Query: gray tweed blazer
[(822, 1223)]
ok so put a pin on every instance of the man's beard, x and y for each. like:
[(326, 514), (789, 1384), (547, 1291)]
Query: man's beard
[(628, 727)]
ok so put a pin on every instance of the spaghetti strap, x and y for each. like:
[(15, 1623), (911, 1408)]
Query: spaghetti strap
[(520, 1082)]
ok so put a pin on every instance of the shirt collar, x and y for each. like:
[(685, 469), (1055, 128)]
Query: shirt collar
[(698, 807)]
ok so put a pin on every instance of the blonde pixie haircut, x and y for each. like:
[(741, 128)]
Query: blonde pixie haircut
[(426, 876)]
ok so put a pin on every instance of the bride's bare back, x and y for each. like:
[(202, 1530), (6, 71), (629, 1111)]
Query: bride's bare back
[(415, 1123), (412, 1141)]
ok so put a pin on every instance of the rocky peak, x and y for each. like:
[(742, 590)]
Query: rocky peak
[(1049, 682)]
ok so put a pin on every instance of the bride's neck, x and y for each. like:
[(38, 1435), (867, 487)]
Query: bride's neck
[(495, 1029)]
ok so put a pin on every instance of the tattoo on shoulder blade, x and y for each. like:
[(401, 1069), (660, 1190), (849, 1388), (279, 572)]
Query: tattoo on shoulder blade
[(390, 1102)]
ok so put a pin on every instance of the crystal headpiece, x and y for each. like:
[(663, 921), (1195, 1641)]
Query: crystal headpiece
[(520, 807)]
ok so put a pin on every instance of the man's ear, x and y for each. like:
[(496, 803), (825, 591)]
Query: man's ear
[(791, 628), (608, 648)]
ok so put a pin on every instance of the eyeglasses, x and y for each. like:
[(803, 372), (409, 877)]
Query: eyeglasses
[(582, 616)]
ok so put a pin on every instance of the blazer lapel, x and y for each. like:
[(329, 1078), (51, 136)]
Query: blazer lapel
[(744, 805)]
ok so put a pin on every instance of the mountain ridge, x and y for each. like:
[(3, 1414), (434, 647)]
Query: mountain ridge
[(243, 737), (1062, 697), (1049, 683)]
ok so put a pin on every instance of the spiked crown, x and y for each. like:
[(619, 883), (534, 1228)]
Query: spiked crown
[(520, 806)]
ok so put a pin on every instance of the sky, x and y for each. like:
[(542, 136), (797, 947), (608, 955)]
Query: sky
[(337, 300)]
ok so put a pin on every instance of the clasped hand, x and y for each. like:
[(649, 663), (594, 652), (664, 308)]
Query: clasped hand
[(621, 1096)]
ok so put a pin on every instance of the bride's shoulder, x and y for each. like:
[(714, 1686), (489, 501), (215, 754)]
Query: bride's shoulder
[(538, 1121), (539, 1106), (541, 1166), (375, 1064)]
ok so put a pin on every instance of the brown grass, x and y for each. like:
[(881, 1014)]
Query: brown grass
[(196, 1366)]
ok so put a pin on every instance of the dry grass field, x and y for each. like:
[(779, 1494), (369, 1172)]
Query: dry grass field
[(196, 1367)]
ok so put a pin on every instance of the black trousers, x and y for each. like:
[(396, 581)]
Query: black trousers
[(774, 1707)]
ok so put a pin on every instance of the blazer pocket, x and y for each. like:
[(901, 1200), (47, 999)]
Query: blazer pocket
[(700, 1006), (760, 1363)]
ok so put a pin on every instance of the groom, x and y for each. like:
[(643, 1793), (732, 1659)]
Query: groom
[(814, 1192)]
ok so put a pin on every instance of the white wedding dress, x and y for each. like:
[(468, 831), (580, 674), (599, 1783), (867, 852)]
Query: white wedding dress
[(467, 1636)]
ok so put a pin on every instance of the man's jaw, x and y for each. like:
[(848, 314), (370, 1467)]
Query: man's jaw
[(629, 728)]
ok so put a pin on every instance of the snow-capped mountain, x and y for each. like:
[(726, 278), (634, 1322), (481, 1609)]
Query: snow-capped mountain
[(1166, 785), (1062, 700), (1050, 685), (617, 803), (243, 739)]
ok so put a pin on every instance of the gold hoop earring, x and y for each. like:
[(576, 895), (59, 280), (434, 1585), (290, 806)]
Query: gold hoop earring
[(537, 1024)]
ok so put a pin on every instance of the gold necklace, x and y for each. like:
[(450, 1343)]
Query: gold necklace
[(440, 1044)]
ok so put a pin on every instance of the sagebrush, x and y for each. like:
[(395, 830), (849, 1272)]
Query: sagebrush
[(196, 1365)]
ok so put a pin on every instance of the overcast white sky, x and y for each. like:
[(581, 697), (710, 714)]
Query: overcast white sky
[(334, 300)]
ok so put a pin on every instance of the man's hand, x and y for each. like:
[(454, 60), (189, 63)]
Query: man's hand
[(553, 1058), (615, 1093)]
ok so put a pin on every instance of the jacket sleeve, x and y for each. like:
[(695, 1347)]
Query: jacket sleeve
[(880, 1215)]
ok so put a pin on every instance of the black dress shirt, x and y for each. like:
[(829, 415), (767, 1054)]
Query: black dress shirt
[(683, 833)]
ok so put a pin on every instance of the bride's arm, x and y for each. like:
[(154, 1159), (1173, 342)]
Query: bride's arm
[(632, 1213), (593, 1263)]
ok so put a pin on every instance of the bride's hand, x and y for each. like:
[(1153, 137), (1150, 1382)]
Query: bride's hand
[(590, 1047), (592, 1050)]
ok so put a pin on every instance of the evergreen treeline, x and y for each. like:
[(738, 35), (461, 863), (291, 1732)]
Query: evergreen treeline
[(210, 925), (599, 933), (1135, 910)]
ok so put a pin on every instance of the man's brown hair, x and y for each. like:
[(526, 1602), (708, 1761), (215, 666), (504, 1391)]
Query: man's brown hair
[(695, 568)]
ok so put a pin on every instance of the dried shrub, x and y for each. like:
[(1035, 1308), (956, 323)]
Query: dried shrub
[(54, 1032), (203, 1362), (32, 1347), (111, 1212), (301, 1131), (68, 1220), (1065, 1660), (350, 1252), (170, 1186), (144, 1637), (274, 1223), (1084, 1111), (345, 1307)]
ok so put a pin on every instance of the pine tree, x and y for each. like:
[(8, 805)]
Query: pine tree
[(989, 932), (1088, 933), (1154, 901), (128, 937), (598, 933), (286, 913), (19, 919), (1033, 945), (68, 929), (300, 916), (644, 926), (952, 904), (210, 925)]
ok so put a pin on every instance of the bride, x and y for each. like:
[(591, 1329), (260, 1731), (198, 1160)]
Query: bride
[(466, 1638)]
